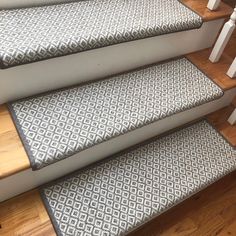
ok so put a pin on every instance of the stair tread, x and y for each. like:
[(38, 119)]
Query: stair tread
[(33, 34), (16, 214), (60, 124), (13, 156), (125, 191)]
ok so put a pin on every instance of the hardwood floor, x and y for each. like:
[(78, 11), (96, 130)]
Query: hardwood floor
[(25, 215)]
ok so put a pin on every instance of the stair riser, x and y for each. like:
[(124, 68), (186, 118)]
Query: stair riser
[(81, 67), (5, 4), (26, 180)]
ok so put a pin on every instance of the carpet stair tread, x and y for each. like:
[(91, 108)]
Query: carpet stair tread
[(123, 192), (33, 34), (60, 124)]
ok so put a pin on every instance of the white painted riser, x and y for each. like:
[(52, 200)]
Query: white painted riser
[(89, 65), (28, 179)]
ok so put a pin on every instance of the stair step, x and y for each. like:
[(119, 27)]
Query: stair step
[(60, 124), (97, 63), (123, 192), (16, 213), (59, 30), (13, 156)]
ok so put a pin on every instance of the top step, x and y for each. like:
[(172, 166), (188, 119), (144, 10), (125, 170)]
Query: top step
[(34, 34)]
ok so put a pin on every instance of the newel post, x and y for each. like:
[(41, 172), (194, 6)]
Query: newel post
[(223, 38)]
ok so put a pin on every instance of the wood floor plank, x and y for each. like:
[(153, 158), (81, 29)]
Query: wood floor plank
[(25, 215)]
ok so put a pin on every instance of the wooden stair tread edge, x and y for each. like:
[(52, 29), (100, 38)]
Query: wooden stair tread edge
[(215, 71), (13, 157), (219, 120), (200, 7)]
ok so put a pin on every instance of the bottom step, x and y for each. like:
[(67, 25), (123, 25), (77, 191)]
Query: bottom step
[(121, 193)]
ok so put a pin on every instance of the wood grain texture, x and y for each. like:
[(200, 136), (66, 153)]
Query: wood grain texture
[(25, 215), (204, 214), (13, 157), (215, 71), (200, 7)]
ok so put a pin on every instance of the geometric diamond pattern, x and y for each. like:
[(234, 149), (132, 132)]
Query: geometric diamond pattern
[(119, 194), (38, 33), (59, 124)]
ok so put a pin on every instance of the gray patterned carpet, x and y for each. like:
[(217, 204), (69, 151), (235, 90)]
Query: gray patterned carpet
[(33, 34), (121, 193), (59, 124)]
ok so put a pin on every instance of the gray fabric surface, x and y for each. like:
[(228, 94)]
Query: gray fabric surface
[(121, 193), (62, 123), (32, 34)]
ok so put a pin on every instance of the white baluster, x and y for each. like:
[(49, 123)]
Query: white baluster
[(232, 118), (213, 4), (232, 70), (223, 38)]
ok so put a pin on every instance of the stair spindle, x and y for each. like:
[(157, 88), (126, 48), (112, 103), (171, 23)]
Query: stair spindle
[(232, 70), (232, 118), (223, 38), (213, 4)]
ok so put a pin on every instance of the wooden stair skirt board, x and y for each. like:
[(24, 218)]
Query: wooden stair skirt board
[(26, 179), (123, 192), (98, 63)]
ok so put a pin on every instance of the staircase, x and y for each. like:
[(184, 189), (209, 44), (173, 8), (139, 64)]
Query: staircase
[(108, 116)]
